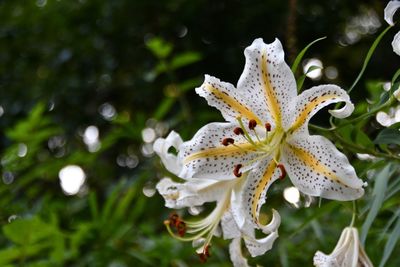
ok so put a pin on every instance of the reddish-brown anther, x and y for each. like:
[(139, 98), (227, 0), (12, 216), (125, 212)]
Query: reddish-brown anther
[(227, 141), (236, 171), (252, 124), (283, 171), (174, 218), (205, 254), (238, 131), (268, 126), (181, 227)]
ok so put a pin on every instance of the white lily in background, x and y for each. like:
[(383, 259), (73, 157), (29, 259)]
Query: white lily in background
[(226, 214), (389, 12), (348, 252), (266, 134)]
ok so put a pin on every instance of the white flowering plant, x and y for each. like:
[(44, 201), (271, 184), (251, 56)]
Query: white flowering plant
[(264, 138)]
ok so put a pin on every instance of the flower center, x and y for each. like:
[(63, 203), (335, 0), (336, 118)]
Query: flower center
[(265, 142)]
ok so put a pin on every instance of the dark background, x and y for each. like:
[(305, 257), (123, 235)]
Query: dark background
[(62, 62)]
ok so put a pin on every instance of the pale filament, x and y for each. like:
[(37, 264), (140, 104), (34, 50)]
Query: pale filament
[(208, 225)]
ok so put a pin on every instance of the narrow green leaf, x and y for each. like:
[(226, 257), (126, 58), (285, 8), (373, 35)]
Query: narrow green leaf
[(302, 53), (363, 139), (395, 76), (159, 47), (185, 59), (189, 84), (381, 180), (301, 80), (110, 203), (27, 231), (319, 212), (93, 205), (368, 57), (388, 136), (389, 224), (390, 244), (164, 108), (393, 189), (125, 203)]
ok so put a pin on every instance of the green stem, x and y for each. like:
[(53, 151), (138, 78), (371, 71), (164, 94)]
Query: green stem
[(353, 218), (357, 119), (359, 149), (354, 148), (368, 57), (365, 115)]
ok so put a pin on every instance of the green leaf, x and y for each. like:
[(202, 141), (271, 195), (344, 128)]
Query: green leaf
[(362, 138), (388, 136), (301, 80), (368, 57), (395, 76), (389, 224), (164, 107), (159, 47), (185, 59), (302, 53), (381, 180), (319, 212), (27, 231), (14, 254), (390, 244)]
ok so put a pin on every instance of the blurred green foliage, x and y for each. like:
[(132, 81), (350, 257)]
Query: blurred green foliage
[(123, 66)]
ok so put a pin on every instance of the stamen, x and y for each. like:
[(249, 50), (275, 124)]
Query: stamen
[(176, 222), (238, 131), (283, 171), (205, 254), (173, 218), (236, 171), (181, 227), (268, 126), (246, 134), (252, 124), (227, 141)]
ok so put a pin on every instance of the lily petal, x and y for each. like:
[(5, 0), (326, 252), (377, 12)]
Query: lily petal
[(257, 183), (258, 247), (396, 43), (205, 157), (389, 11), (317, 168), (268, 80), (235, 251), (194, 192), (227, 99), (161, 147), (348, 252), (312, 100), (229, 226)]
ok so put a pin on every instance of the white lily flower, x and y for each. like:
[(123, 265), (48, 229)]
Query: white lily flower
[(227, 214), (266, 134), (348, 252), (389, 12)]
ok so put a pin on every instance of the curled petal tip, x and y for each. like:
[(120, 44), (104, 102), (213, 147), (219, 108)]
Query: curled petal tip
[(344, 111), (390, 10), (396, 44)]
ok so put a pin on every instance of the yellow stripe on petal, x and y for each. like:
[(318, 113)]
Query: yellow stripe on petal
[(305, 112), (314, 164), (220, 151), (269, 172), (232, 103), (270, 96)]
